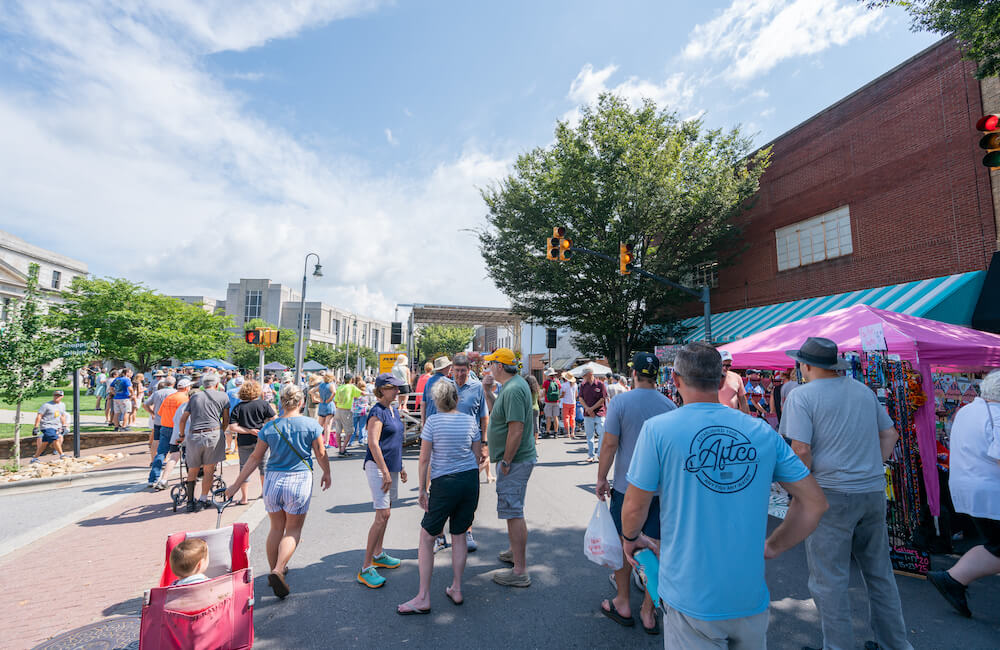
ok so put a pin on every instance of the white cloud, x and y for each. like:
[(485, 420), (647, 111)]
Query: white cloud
[(138, 161), (389, 138), (752, 36), (675, 92), (247, 76)]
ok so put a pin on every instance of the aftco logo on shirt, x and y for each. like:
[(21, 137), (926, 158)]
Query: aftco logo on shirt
[(722, 458)]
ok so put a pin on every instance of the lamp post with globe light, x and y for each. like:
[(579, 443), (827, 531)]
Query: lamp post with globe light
[(317, 273)]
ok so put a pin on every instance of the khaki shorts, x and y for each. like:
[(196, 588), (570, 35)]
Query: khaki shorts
[(511, 488), (122, 406), (683, 631), (552, 410), (381, 500), (204, 448), (345, 422)]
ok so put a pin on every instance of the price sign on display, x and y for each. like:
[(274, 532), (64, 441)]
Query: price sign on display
[(872, 338)]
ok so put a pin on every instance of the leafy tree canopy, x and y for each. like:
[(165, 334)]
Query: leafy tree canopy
[(639, 176), (133, 323), (333, 356), (435, 340), (975, 24)]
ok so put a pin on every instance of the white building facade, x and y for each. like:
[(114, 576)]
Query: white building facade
[(55, 272)]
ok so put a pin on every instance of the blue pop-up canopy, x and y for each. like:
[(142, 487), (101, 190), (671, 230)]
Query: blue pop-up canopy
[(313, 366)]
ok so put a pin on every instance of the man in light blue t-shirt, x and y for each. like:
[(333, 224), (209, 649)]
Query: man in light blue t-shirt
[(712, 468)]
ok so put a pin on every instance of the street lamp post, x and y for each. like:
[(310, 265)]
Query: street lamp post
[(317, 272)]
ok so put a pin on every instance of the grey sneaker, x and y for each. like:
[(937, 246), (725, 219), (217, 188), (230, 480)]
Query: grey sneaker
[(506, 556), (508, 578), (470, 542)]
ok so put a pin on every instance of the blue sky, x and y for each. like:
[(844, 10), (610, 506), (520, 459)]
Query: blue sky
[(186, 144)]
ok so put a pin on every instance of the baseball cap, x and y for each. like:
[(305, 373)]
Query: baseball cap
[(388, 379), (184, 383), (502, 355), (238, 381), (726, 355), (645, 364), (57, 392)]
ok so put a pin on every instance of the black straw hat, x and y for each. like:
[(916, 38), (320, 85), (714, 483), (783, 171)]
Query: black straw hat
[(820, 352)]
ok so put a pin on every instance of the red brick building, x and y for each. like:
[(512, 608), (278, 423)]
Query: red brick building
[(886, 186)]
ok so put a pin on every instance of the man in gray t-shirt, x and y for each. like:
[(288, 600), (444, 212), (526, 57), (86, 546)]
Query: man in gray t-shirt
[(51, 423), (627, 412), (201, 426), (844, 435)]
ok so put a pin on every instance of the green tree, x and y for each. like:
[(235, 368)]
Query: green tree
[(245, 355), (25, 347), (975, 24), (135, 324), (333, 356), (435, 340), (642, 176)]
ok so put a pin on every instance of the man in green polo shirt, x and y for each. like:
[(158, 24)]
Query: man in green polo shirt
[(343, 399), (511, 440)]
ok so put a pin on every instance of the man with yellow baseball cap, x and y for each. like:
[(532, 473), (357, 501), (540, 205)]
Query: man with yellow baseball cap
[(511, 441)]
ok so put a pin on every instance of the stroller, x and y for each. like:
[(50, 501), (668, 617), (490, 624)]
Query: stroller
[(217, 613), (177, 493)]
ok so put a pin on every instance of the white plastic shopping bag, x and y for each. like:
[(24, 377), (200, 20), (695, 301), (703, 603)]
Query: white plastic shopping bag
[(601, 543)]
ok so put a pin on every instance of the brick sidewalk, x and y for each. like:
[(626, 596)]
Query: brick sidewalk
[(97, 567)]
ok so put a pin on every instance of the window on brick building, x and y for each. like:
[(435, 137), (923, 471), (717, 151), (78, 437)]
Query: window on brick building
[(820, 238)]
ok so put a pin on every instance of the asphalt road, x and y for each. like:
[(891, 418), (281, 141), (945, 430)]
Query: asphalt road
[(328, 608)]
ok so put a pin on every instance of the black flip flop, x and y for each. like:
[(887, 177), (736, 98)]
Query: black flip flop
[(653, 631), (615, 616), (456, 602), (278, 585), (412, 612)]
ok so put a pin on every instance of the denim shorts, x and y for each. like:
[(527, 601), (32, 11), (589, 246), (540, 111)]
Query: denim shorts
[(652, 526), (50, 435), (511, 488)]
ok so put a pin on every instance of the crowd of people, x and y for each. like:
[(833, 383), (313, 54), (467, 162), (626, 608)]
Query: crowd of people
[(685, 461)]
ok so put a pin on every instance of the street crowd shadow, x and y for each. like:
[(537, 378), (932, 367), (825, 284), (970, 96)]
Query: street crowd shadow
[(133, 515), (561, 606)]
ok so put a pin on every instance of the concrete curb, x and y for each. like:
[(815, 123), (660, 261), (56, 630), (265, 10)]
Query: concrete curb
[(67, 480)]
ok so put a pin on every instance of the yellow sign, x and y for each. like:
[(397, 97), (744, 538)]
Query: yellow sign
[(386, 360)]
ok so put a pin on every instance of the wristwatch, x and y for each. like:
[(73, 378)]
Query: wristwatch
[(504, 463)]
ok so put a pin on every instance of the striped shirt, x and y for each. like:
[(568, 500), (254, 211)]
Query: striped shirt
[(451, 435)]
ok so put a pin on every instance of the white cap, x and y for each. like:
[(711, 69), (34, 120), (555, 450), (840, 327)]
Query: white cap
[(184, 383), (238, 380), (726, 355)]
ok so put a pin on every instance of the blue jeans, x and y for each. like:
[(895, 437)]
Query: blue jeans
[(359, 429), (156, 467), (593, 431)]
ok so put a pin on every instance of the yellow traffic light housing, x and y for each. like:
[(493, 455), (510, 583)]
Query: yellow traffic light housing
[(625, 259), (564, 250), (989, 125), (552, 246)]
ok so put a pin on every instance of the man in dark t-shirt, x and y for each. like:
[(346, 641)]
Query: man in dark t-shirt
[(594, 396), (204, 444)]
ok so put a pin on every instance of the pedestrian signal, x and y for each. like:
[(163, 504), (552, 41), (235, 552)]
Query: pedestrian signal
[(254, 336), (262, 337), (550, 338), (625, 259), (990, 125)]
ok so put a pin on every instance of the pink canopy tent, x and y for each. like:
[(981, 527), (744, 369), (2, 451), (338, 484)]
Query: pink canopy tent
[(927, 344)]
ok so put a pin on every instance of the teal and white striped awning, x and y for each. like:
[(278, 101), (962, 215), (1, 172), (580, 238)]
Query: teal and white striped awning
[(950, 299)]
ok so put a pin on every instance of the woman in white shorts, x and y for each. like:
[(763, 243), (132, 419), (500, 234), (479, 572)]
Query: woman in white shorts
[(291, 439), (383, 469)]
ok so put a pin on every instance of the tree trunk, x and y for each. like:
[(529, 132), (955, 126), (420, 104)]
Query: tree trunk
[(17, 437)]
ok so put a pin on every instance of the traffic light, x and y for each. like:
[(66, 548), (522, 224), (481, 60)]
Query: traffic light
[(990, 125), (262, 337), (396, 335), (550, 338), (564, 249), (625, 259), (553, 243), (271, 337), (254, 336)]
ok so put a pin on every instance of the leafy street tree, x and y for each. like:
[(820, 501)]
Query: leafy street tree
[(642, 176), (435, 340), (25, 347), (333, 357), (975, 24), (244, 355), (135, 324)]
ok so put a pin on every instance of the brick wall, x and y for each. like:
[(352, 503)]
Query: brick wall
[(902, 153)]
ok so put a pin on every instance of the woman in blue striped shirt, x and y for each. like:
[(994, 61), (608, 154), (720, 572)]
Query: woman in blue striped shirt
[(450, 448)]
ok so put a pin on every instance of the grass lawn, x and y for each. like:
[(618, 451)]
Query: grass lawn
[(31, 404), (7, 429)]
